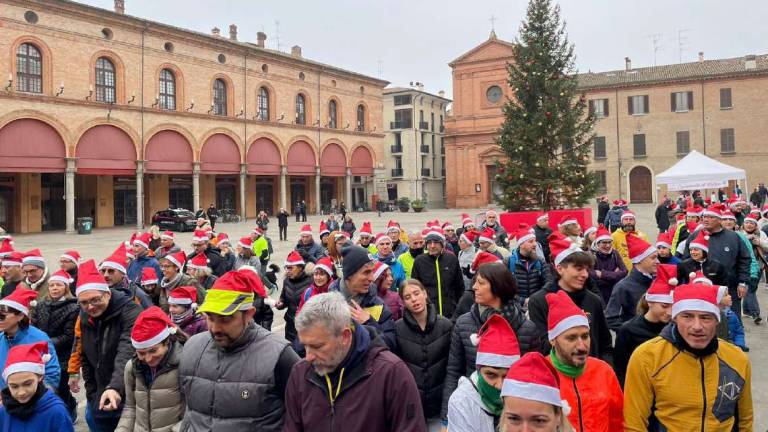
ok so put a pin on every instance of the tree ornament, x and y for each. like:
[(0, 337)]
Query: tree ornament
[(521, 175), (540, 123), (549, 114)]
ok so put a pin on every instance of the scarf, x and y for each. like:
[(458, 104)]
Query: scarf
[(34, 286), (180, 318), (19, 410), (166, 283), (490, 395), (416, 252), (567, 370)]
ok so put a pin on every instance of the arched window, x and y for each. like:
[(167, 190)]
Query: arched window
[(332, 122), (105, 80), (263, 104), (29, 69), (360, 118), (219, 97), (301, 109), (167, 90)]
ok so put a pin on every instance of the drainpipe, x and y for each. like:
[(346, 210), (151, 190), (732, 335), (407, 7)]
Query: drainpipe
[(140, 161), (318, 205), (243, 167), (703, 123), (618, 147)]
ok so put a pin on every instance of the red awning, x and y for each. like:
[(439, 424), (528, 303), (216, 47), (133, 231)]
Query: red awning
[(333, 162), (301, 159), (362, 162), (263, 158), (106, 150), (220, 155), (168, 152), (29, 145)]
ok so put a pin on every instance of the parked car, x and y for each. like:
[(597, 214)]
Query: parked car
[(175, 220)]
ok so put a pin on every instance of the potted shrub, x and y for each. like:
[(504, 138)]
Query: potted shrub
[(417, 205), (404, 204)]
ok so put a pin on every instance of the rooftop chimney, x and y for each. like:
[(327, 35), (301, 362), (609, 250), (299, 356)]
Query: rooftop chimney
[(701, 56), (441, 93), (296, 51), (750, 62), (233, 32), (215, 31), (628, 63), (120, 6), (261, 39)]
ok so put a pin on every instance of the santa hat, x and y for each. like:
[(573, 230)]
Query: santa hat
[(128, 249), (433, 224), (482, 258), (496, 343), (380, 237), (696, 297), (487, 235), (392, 226), (117, 261), (733, 200), (524, 233), (602, 234), (448, 226), (378, 269), (435, 234), (6, 248), (324, 228), (256, 283), (715, 210), (616, 202), (21, 299), (638, 249), (306, 230), (542, 217), (294, 259), (752, 217), (222, 238), (662, 287), (71, 255), (183, 295), (563, 314), (152, 326), (469, 236), (466, 220), (694, 211), (664, 240), (148, 276), (27, 358), (366, 231), (701, 241), (628, 214), (680, 217), (89, 278), (340, 234), (727, 214), (561, 248), (177, 259), (534, 378), (257, 230), (142, 240), (590, 230), (490, 212), (200, 236), (764, 211), (245, 242), (325, 264), (167, 235), (698, 277), (61, 276), (34, 257), (232, 292), (13, 259), (199, 262), (567, 220)]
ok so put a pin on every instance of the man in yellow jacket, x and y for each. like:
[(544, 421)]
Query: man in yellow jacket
[(687, 379), (628, 221)]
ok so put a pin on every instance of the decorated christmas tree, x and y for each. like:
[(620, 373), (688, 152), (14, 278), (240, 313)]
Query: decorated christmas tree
[(547, 131)]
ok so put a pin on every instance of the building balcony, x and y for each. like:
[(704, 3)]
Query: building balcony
[(424, 148), (399, 125), (425, 172), (424, 125), (396, 149), (397, 172), (442, 129)]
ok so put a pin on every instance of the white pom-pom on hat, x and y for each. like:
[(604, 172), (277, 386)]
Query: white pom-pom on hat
[(269, 301), (673, 281), (692, 275), (46, 358), (33, 303), (193, 306), (474, 338), (706, 237), (566, 407), (173, 330)]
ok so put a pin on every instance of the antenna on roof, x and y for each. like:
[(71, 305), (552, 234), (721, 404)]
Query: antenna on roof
[(381, 68), (682, 43), (277, 34), (655, 42)]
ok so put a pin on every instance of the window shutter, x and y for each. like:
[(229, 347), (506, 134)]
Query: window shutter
[(690, 100), (646, 106), (672, 101), (605, 107), (592, 108), (629, 105)]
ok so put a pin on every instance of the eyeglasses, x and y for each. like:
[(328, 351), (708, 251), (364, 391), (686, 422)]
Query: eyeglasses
[(92, 302), (166, 266)]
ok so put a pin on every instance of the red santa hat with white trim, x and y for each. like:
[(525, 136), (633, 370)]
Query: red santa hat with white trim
[(306, 229), (715, 210), (481, 259), (727, 214), (167, 235), (34, 257), (698, 277), (628, 214), (21, 299), (638, 249), (567, 220), (534, 378), (198, 262), (13, 259), (435, 233), (200, 236), (469, 236), (27, 358), (245, 242), (183, 295), (753, 217), (393, 226), (258, 231), (117, 261), (222, 239), (378, 269), (466, 219), (563, 314), (365, 230), (696, 297), (524, 233), (149, 276), (701, 241), (664, 240), (663, 285), (6, 248), (177, 259), (61, 276), (541, 217), (142, 240), (602, 234), (448, 226), (694, 211), (325, 264), (561, 247), (590, 230), (71, 255), (380, 237), (152, 326), (487, 235), (496, 343), (89, 278), (294, 259)]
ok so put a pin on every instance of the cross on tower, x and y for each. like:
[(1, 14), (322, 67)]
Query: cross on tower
[(493, 22)]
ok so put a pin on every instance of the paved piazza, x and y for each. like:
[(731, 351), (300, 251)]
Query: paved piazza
[(103, 241)]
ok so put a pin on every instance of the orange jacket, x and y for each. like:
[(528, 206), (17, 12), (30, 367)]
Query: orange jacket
[(73, 367), (595, 398)]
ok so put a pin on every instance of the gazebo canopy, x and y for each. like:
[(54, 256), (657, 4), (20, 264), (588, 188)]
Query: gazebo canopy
[(697, 171)]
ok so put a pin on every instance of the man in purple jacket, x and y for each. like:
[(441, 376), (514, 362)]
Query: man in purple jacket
[(348, 378), (609, 267)]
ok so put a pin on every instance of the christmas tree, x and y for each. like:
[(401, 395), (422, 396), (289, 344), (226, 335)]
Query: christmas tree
[(547, 131)]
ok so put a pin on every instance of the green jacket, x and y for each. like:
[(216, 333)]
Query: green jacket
[(260, 246), (406, 259)]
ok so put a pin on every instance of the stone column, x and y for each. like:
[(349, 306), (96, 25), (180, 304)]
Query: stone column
[(243, 185), (284, 188), (348, 196), (195, 186), (139, 195), (69, 195), (317, 190)]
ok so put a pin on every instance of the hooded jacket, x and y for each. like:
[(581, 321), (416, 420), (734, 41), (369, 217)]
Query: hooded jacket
[(398, 272), (156, 406), (626, 294), (106, 347), (381, 318), (26, 336), (462, 355), (630, 336), (443, 279), (136, 267), (50, 414), (290, 297), (685, 391), (530, 275), (373, 392), (466, 412), (426, 354)]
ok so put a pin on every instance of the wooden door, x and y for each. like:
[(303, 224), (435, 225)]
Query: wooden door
[(640, 185)]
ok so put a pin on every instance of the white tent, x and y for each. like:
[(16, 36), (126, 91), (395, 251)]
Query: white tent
[(697, 171)]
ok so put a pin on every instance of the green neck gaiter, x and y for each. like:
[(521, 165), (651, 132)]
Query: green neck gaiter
[(490, 395), (567, 370)]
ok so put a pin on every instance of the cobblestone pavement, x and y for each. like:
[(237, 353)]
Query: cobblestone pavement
[(103, 241)]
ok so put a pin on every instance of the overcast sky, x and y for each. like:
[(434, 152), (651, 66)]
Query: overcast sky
[(414, 40)]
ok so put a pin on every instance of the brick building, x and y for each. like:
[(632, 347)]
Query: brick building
[(108, 115), (647, 119)]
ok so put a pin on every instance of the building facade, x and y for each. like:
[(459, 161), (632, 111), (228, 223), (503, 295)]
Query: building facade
[(111, 116), (414, 145), (646, 120)]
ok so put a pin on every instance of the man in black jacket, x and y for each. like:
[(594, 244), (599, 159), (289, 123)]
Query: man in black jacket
[(602, 209), (662, 215), (200, 242), (622, 305), (572, 266), (445, 289), (106, 321), (543, 231)]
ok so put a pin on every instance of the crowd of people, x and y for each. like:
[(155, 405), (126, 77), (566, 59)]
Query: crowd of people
[(464, 327)]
